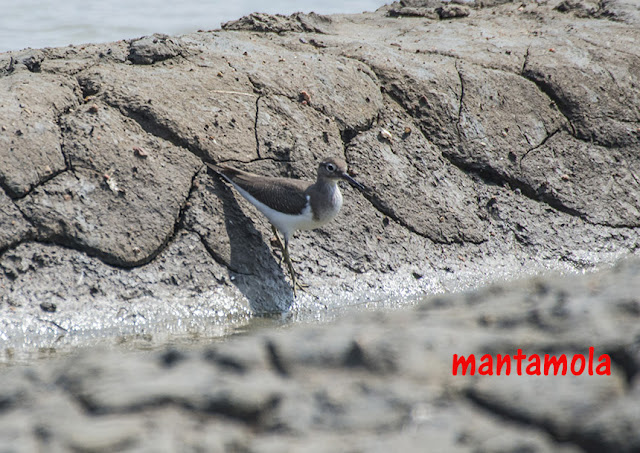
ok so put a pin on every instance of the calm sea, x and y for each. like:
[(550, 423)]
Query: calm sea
[(52, 23)]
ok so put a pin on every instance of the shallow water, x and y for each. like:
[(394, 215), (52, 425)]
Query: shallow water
[(52, 23), (179, 333), (165, 324)]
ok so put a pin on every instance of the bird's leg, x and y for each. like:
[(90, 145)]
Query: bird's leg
[(279, 242), (287, 258), (294, 281)]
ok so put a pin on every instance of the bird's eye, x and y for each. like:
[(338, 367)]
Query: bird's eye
[(331, 167)]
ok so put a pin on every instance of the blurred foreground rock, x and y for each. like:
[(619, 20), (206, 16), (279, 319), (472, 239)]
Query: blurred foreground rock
[(372, 382)]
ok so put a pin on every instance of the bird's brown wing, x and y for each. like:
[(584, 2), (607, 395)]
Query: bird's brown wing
[(282, 194)]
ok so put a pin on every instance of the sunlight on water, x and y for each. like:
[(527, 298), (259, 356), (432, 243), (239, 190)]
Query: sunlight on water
[(159, 324)]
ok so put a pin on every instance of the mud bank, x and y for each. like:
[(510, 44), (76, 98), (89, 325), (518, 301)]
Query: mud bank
[(495, 140)]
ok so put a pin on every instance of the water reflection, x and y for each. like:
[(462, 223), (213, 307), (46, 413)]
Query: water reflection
[(181, 333)]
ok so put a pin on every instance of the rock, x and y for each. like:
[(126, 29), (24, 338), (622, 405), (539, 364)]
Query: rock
[(432, 9), (48, 307), (412, 184), (298, 22), (13, 226), (622, 10), (30, 151), (113, 205), (92, 296), (285, 132), (516, 128), (157, 47), (211, 116), (601, 198), (408, 11), (451, 11), (613, 123), (348, 94)]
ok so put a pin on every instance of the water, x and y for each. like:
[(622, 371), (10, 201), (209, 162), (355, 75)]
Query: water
[(53, 23), (175, 323), (183, 332)]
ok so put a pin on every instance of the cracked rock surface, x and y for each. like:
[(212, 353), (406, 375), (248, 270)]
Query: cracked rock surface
[(125, 190), (496, 140), (30, 143)]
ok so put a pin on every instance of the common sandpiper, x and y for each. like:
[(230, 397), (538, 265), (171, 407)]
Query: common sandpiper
[(292, 204)]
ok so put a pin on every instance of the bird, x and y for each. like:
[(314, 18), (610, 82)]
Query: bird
[(292, 204)]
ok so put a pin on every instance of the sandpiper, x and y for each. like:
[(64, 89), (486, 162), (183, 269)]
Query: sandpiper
[(292, 204)]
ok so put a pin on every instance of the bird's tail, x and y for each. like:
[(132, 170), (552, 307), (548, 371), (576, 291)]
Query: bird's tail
[(224, 170)]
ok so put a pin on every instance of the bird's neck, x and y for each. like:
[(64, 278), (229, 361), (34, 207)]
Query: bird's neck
[(328, 201), (326, 183)]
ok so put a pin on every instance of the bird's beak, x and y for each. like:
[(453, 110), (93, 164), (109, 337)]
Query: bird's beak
[(353, 182)]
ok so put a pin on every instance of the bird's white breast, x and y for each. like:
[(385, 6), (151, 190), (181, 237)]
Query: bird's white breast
[(285, 223), (335, 203)]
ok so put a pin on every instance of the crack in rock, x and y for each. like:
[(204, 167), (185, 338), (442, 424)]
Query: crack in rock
[(179, 221), (548, 91), (538, 146), (461, 107), (255, 126)]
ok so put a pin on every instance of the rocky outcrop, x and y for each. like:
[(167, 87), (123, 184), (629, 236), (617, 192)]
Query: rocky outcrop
[(495, 139)]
